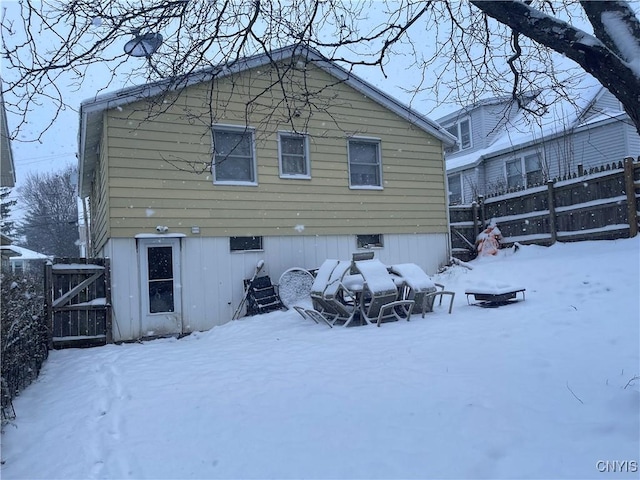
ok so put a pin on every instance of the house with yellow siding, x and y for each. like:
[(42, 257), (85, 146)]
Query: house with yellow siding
[(283, 157)]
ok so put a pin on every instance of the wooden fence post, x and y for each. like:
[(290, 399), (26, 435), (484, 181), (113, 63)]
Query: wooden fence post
[(630, 188), (48, 299), (552, 213), (107, 294), (476, 227), (482, 212)]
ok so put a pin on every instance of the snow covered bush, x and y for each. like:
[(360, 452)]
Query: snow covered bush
[(24, 341)]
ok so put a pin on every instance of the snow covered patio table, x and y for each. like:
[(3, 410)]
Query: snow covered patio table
[(494, 295)]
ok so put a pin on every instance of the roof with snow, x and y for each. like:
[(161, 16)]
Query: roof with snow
[(524, 130), (21, 253), (91, 110), (461, 112)]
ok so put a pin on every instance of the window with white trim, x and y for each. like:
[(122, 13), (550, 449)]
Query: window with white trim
[(462, 131), (234, 160), (455, 189), (525, 171), (533, 170), (293, 152), (514, 173), (365, 164)]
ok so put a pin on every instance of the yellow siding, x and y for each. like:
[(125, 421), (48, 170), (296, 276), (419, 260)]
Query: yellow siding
[(99, 203), (159, 165)]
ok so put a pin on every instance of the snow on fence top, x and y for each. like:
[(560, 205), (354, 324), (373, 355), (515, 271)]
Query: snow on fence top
[(76, 266)]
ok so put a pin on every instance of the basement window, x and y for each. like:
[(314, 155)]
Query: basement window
[(369, 241), (243, 244)]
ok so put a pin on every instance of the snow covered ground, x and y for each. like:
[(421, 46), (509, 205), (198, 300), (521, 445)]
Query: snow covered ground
[(545, 388)]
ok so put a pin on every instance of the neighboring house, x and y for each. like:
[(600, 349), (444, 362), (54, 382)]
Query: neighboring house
[(5, 254), (500, 148), (22, 260), (333, 167)]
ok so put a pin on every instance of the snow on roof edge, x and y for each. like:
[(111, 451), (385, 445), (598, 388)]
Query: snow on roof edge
[(25, 253)]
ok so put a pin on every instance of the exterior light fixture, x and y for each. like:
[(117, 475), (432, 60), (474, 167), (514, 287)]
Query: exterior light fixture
[(143, 45)]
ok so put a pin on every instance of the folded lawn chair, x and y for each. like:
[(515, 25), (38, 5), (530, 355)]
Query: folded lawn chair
[(419, 287), (262, 296), (329, 296), (379, 298)]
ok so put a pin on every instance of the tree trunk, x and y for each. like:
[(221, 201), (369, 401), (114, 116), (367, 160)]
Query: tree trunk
[(602, 56)]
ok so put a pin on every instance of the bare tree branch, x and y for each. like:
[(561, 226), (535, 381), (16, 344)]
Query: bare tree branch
[(594, 55), (461, 51)]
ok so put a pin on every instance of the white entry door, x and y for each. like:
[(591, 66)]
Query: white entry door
[(160, 286)]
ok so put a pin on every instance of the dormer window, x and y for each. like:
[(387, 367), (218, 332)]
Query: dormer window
[(462, 131)]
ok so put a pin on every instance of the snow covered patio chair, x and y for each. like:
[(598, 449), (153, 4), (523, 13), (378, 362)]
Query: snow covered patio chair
[(418, 286), (378, 300), (329, 296)]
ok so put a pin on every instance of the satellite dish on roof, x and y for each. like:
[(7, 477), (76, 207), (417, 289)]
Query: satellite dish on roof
[(143, 45)]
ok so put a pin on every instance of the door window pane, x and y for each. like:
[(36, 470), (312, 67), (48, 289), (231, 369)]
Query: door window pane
[(160, 262), (161, 296), (160, 271)]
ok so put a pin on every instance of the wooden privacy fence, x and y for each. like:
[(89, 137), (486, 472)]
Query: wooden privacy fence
[(78, 301), (603, 203)]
